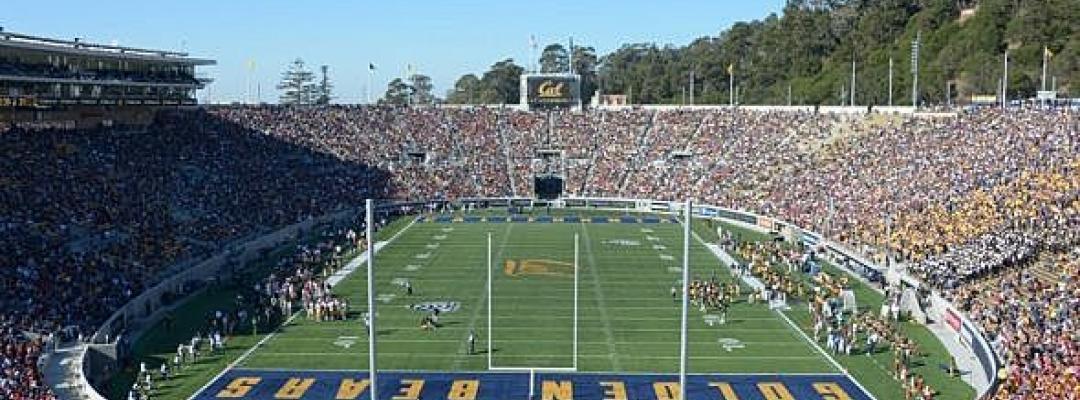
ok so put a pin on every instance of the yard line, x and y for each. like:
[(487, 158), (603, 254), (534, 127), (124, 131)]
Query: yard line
[(601, 303), (481, 303)]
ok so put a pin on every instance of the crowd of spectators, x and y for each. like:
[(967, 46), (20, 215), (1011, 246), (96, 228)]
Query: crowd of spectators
[(90, 218), (93, 217), (1032, 319)]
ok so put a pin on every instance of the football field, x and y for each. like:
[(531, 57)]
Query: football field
[(627, 319)]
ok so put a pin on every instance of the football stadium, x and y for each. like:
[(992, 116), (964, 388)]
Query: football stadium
[(782, 210)]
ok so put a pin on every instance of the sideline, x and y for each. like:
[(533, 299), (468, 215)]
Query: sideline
[(725, 257), (972, 372), (333, 280)]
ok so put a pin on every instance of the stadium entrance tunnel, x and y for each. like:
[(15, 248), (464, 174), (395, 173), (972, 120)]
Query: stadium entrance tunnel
[(345, 385)]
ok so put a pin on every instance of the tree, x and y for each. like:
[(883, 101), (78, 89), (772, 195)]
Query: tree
[(585, 65), (501, 83), (422, 89), (325, 88), (467, 90), (554, 58), (810, 47), (297, 84), (397, 93)]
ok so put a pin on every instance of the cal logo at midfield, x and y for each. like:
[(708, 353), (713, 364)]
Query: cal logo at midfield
[(346, 385), (535, 267)]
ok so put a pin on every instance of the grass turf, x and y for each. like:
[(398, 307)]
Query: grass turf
[(628, 319)]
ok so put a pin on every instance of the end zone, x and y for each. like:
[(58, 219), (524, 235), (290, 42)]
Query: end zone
[(258, 384)]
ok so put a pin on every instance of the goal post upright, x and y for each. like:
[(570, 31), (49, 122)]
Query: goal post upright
[(685, 299), (576, 268), (370, 222), (490, 333)]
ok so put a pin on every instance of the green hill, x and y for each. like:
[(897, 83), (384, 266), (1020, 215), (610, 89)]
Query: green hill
[(810, 47)]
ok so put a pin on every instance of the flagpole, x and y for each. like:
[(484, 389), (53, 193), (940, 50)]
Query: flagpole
[(1046, 52), (370, 221), (570, 61), (370, 81)]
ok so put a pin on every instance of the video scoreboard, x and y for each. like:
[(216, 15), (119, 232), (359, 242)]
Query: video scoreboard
[(551, 91)]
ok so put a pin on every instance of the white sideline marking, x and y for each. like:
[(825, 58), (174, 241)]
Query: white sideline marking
[(827, 356), (814, 344), (351, 266)]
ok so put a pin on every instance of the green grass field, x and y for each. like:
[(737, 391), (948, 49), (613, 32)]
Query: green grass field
[(628, 320)]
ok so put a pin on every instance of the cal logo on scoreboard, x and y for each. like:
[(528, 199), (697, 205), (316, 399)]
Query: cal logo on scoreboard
[(552, 90)]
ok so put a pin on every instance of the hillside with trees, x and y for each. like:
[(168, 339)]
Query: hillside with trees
[(807, 53)]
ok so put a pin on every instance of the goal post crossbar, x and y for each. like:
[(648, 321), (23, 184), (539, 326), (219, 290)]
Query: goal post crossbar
[(490, 327)]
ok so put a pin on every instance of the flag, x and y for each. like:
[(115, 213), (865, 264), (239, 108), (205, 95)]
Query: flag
[(731, 69), (371, 67)]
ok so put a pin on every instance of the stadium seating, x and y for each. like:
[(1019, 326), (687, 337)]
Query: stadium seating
[(968, 203)]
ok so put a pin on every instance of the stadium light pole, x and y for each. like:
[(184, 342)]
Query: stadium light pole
[(890, 80), (370, 221), (852, 102), (915, 70), (1005, 83), (731, 86), (685, 300)]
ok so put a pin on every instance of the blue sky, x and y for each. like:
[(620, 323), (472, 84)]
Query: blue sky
[(443, 39)]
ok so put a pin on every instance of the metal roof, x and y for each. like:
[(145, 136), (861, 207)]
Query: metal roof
[(78, 47)]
